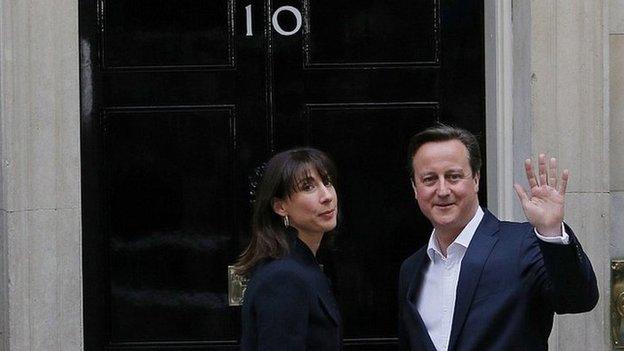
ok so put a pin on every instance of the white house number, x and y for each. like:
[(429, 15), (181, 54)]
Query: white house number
[(275, 21)]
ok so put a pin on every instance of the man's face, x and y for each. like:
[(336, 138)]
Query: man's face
[(444, 186)]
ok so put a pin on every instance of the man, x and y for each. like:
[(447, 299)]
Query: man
[(483, 284)]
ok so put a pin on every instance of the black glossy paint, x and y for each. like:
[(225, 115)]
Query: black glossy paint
[(178, 106)]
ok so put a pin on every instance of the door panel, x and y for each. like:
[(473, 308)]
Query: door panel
[(171, 219), (179, 105), (361, 79), (370, 33), (160, 34)]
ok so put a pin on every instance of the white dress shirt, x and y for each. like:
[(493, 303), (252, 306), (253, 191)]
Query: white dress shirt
[(436, 302)]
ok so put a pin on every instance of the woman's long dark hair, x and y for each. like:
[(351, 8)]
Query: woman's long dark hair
[(280, 179)]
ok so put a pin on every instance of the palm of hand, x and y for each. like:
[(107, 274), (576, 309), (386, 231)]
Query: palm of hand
[(544, 208)]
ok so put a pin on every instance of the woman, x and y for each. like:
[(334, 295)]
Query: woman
[(288, 303)]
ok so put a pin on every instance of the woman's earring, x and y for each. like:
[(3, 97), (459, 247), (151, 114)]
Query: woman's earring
[(286, 221)]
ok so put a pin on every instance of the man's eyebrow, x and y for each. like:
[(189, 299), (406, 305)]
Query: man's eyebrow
[(452, 170), (424, 174)]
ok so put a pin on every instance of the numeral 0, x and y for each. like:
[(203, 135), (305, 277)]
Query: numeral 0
[(274, 20)]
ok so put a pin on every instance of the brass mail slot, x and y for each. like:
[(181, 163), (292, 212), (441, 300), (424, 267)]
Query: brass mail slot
[(236, 287), (617, 303)]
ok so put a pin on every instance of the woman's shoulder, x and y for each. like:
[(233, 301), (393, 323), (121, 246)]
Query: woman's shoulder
[(285, 275), (279, 268)]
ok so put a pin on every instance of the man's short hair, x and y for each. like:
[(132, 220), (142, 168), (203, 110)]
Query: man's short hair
[(443, 132)]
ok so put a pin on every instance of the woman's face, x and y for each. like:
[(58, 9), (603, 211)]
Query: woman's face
[(313, 209)]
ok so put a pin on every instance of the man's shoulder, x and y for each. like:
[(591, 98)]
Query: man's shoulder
[(524, 229), (504, 228)]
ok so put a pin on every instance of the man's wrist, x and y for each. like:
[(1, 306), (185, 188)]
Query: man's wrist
[(562, 239), (551, 231)]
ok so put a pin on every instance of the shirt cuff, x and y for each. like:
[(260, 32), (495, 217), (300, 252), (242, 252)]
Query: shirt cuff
[(563, 239)]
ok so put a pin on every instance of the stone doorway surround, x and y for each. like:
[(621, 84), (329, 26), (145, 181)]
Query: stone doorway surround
[(560, 105), (547, 90)]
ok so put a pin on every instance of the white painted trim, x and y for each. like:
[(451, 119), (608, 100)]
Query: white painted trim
[(499, 105), (504, 115)]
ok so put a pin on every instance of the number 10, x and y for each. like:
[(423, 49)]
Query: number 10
[(274, 20)]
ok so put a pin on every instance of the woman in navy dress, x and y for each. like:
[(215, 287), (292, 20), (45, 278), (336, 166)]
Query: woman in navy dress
[(288, 303)]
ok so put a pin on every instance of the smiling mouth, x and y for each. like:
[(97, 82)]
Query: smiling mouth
[(328, 213), (444, 205)]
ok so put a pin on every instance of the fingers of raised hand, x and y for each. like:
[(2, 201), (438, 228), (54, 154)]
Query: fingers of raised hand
[(564, 181), (547, 172), (528, 167), (552, 172), (543, 174)]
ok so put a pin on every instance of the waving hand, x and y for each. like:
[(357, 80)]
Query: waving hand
[(543, 204)]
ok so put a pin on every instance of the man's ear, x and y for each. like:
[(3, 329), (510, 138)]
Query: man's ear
[(476, 180), (414, 188), (279, 207)]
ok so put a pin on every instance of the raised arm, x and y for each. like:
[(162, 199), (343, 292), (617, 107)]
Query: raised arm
[(569, 282)]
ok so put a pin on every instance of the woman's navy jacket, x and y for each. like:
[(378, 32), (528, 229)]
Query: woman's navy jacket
[(289, 305)]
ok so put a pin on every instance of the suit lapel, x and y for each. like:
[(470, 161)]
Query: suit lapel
[(472, 265), (412, 300)]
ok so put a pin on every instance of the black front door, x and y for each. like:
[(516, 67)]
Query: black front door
[(182, 100)]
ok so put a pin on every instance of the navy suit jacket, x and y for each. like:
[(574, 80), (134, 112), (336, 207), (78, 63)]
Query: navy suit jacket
[(289, 305), (510, 285)]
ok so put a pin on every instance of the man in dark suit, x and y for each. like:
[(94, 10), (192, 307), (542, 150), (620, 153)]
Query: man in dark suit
[(480, 283)]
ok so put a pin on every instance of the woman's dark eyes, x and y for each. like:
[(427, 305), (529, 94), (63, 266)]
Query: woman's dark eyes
[(309, 186)]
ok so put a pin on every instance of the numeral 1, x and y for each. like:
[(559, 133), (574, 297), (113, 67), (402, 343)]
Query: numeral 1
[(248, 15)]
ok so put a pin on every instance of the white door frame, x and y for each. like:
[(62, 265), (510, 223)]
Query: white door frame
[(499, 92)]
